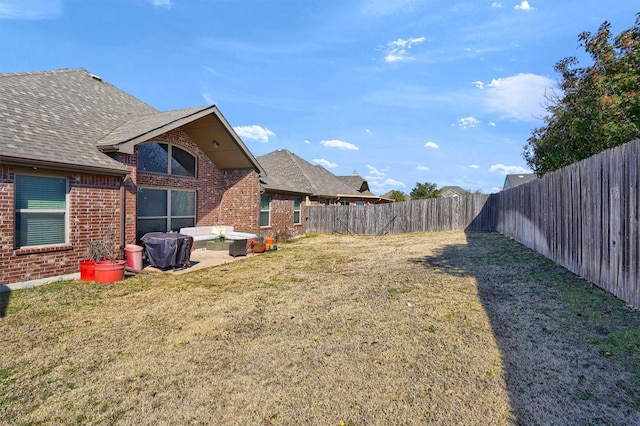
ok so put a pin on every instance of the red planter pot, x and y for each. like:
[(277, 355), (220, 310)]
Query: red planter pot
[(107, 271), (87, 270)]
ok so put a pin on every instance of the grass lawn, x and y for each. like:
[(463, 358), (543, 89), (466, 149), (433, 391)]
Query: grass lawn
[(441, 328)]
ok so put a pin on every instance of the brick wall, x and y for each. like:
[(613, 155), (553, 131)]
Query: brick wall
[(240, 204), (230, 197), (224, 197), (94, 204), (281, 226)]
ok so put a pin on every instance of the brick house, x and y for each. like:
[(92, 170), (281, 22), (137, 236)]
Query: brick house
[(291, 184), (79, 156)]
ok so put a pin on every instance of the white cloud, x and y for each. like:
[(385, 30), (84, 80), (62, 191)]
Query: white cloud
[(524, 5), (520, 97), (392, 183), (479, 84), (496, 5), (367, 131), (397, 50), (431, 145), (324, 163), (374, 171), (380, 187), (162, 3), (30, 9), (507, 170), (491, 123), (307, 141), (208, 98), (256, 133), (334, 143), (474, 166), (468, 122), (422, 168)]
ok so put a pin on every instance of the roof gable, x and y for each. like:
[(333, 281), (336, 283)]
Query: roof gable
[(60, 118)]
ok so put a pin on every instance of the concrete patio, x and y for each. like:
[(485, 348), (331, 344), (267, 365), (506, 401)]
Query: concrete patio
[(200, 259)]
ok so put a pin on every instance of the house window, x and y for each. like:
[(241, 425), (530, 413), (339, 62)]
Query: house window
[(167, 159), (296, 210), (265, 203), (161, 210), (40, 211)]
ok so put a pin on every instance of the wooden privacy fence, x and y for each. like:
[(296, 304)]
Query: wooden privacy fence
[(583, 217), (438, 214)]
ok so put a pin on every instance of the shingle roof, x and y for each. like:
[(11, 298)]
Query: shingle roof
[(452, 191), (357, 182), (57, 117), (518, 179), (141, 125), (287, 172)]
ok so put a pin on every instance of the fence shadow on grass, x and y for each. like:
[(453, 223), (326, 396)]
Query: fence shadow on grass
[(5, 295), (549, 369)]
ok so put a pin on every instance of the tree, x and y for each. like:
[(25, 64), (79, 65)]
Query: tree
[(599, 107), (398, 195), (425, 190)]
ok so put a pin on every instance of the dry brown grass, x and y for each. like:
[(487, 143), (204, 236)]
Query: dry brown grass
[(441, 328)]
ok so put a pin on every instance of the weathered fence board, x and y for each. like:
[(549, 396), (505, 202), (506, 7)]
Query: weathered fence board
[(584, 217), (442, 214)]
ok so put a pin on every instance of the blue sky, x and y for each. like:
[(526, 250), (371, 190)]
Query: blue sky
[(401, 91)]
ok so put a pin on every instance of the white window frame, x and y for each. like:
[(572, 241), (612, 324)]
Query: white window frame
[(26, 211)]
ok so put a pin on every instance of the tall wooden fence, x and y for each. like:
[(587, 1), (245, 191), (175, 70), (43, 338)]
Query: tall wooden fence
[(583, 217), (441, 214)]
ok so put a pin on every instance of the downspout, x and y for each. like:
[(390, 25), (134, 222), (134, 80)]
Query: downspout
[(123, 213)]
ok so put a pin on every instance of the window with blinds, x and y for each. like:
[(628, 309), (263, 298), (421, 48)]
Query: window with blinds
[(40, 210)]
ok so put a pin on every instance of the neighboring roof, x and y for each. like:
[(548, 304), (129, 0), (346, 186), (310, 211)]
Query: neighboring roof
[(58, 119), (452, 191), (286, 172), (357, 182), (518, 179), (389, 195)]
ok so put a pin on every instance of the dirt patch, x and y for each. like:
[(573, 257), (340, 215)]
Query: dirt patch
[(442, 328)]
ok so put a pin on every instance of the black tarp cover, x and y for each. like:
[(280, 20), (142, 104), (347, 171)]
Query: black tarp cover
[(164, 250)]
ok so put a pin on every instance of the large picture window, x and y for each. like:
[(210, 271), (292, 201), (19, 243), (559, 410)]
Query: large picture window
[(166, 159), (161, 210), (296, 210), (40, 211), (265, 204)]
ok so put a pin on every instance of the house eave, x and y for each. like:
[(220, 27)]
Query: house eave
[(52, 165), (228, 153)]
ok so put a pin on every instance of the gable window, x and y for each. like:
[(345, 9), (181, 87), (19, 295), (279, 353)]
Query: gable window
[(165, 158), (296, 210), (265, 205), (40, 211), (161, 210)]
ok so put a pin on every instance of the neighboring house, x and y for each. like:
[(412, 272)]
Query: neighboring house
[(389, 195), (291, 184), (514, 180), (452, 191), (79, 156), (358, 183)]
